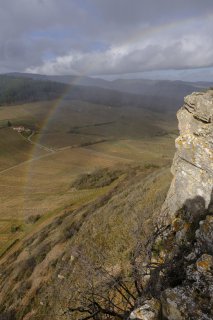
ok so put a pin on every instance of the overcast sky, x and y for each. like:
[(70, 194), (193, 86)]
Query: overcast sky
[(115, 38)]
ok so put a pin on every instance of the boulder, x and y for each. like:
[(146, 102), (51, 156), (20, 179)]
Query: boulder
[(150, 310)]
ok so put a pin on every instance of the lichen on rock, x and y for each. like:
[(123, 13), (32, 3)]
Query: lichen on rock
[(150, 310), (193, 298), (188, 211), (193, 162)]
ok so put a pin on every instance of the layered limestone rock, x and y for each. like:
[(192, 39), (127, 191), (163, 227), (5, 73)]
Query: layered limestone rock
[(181, 257), (193, 162), (188, 209)]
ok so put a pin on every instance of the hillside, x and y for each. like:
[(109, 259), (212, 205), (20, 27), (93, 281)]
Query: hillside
[(14, 149), (78, 137), (71, 183), (23, 89), (106, 160), (20, 90), (164, 89), (114, 244), (81, 213), (55, 256)]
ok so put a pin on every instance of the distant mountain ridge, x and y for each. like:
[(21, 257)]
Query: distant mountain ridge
[(155, 95), (176, 89), (15, 89), (18, 90)]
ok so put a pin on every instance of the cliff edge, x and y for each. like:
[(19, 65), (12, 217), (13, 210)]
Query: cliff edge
[(193, 162), (180, 276), (189, 210)]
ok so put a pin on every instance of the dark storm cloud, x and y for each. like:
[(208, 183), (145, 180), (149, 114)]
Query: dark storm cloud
[(105, 36)]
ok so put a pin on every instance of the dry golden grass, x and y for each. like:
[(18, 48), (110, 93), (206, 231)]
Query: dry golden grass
[(108, 226), (14, 149), (43, 186), (144, 151), (70, 217)]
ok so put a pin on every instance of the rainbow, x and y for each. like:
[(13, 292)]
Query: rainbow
[(29, 172), (139, 36)]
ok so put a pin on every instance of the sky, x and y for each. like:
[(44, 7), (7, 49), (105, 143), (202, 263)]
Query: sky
[(156, 39)]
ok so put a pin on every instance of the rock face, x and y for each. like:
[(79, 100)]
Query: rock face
[(193, 162), (193, 298), (180, 285), (192, 228)]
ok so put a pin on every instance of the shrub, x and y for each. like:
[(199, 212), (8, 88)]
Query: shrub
[(23, 288), (68, 233), (42, 252), (33, 219), (14, 228), (97, 179), (26, 268), (70, 230)]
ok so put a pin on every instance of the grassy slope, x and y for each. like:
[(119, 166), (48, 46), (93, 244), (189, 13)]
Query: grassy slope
[(106, 225), (13, 149), (43, 186)]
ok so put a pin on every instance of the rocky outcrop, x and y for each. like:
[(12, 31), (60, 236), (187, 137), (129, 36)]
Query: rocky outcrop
[(188, 210), (182, 253), (193, 162), (186, 273), (193, 298)]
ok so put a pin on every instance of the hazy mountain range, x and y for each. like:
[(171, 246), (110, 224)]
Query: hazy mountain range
[(156, 95), (165, 88)]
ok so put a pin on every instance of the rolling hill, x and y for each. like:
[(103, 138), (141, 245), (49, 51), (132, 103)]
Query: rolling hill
[(92, 169), (23, 89), (175, 90)]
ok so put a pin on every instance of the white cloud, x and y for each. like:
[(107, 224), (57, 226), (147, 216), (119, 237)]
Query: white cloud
[(175, 47), (105, 37)]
